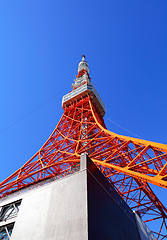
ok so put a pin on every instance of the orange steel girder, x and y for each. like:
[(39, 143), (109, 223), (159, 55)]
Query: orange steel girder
[(128, 163)]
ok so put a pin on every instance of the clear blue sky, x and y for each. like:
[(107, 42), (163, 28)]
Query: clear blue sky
[(41, 44)]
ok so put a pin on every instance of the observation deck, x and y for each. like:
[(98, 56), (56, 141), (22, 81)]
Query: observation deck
[(80, 92)]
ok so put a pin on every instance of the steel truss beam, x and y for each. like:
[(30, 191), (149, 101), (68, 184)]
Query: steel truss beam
[(128, 163)]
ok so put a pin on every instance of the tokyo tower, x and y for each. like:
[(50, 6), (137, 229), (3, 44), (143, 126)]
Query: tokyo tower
[(129, 164)]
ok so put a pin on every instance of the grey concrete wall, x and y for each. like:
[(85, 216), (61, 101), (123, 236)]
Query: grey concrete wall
[(109, 217), (56, 211)]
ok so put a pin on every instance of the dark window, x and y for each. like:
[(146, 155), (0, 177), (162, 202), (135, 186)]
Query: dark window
[(9, 211), (6, 231)]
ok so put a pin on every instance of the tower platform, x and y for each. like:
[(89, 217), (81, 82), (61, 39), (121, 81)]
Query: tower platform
[(81, 92), (79, 206)]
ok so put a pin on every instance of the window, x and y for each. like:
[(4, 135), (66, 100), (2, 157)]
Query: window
[(9, 211), (6, 231)]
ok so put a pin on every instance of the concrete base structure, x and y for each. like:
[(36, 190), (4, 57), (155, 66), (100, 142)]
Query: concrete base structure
[(80, 206)]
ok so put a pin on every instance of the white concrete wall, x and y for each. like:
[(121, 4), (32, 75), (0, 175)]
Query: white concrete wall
[(55, 211)]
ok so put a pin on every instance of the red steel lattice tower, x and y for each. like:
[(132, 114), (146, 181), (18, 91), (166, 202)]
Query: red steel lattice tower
[(128, 163)]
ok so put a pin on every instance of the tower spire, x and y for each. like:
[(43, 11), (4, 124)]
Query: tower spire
[(83, 57), (83, 87), (83, 65), (83, 74)]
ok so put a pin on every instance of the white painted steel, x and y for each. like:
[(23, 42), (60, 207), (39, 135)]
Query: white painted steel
[(82, 91)]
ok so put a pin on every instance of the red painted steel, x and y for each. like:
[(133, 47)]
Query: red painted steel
[(128, 163)]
